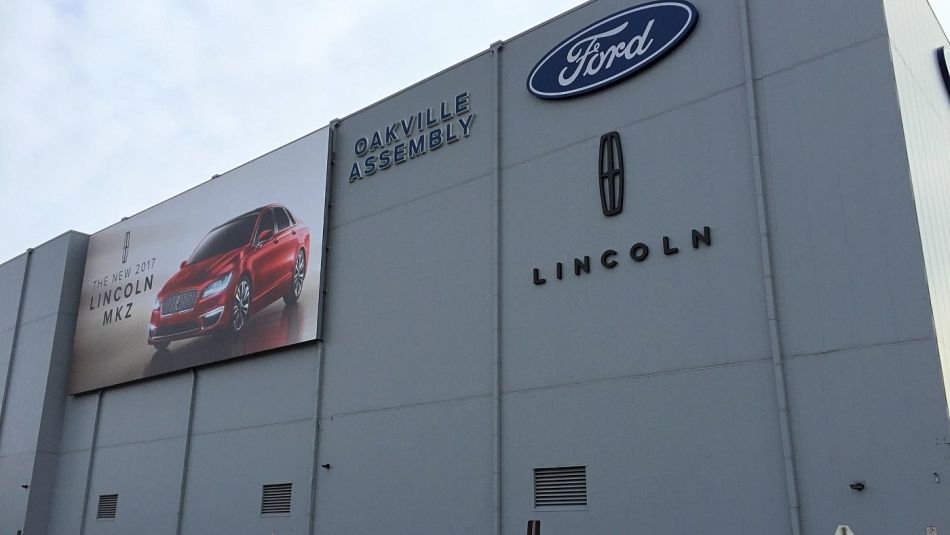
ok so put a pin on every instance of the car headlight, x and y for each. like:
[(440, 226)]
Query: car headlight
[(217, 286), (158, 303)]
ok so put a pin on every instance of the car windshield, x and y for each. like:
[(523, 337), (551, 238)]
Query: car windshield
[(227, 237)]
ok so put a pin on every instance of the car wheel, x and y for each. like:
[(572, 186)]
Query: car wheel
[(241, 305), (296, 285)]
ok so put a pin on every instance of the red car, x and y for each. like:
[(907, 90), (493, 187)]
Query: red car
[(240, 267)]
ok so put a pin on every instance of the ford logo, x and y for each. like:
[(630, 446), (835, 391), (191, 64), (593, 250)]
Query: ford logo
[(612, 49)]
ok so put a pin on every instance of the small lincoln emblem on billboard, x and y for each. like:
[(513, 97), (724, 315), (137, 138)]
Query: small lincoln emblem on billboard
[(125, 247), (610, 174)]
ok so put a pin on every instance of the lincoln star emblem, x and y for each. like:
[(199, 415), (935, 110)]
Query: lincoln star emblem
[(125, 247), (610, 174)]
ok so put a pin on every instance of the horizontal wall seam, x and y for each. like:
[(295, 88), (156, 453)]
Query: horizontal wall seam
[(134, 442), (24, 454), (410, 201), (650, 117), (514, 391), (30, 452), (630, 378), (78, 450), (46, 316), (821, 56), (859, 347), (405, 406), (255, 426), (548, 387)]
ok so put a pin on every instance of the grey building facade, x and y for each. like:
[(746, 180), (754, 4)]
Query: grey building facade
[(765, 351)]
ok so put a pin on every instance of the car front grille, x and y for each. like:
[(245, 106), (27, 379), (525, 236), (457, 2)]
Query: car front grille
[(179, 302)]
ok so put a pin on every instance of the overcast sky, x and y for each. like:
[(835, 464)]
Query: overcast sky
[(110, 106)]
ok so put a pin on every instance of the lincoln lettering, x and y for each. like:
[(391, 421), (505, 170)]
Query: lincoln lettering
[(612, 258), (118, 299)]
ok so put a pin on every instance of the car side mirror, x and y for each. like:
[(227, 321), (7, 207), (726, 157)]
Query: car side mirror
[(265, 235), (183, 264)]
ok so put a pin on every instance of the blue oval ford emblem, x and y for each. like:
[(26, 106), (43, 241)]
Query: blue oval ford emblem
[(612, 49)]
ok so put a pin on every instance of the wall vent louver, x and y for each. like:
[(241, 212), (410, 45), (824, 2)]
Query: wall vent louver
[(275, 499), (108, 503), (562, 486)]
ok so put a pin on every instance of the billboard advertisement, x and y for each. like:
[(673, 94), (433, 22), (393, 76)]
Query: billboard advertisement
[(229, 268)]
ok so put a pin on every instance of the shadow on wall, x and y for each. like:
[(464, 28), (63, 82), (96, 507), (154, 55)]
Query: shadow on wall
[(267, 329)]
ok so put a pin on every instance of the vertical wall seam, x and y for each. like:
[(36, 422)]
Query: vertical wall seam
[(778, 366), (315, 446), (16, 338), (496, 391), (183, 485), (6, 380), (89, 467), (13, 346), (324, 275), (327, 207)]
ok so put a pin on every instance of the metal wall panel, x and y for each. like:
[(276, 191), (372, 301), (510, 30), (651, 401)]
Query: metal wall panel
[(28, 378), (407, 470), (852, 296), (79, 420), (241, 461), (6, 350), (785, 34), (411, 320), (140, 446), (915, 35), (35, 353), (848, 270), (15, 470), (695, 450), (11, 280), (42, 296), (411, 263), (66, 501), (72, 465), (406, 422), (147, 478), (862, 414), (147, 411), (276, 388)]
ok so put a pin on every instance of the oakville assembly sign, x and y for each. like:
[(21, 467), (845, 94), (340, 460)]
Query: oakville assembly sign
[(413, 136), (229, 268)]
